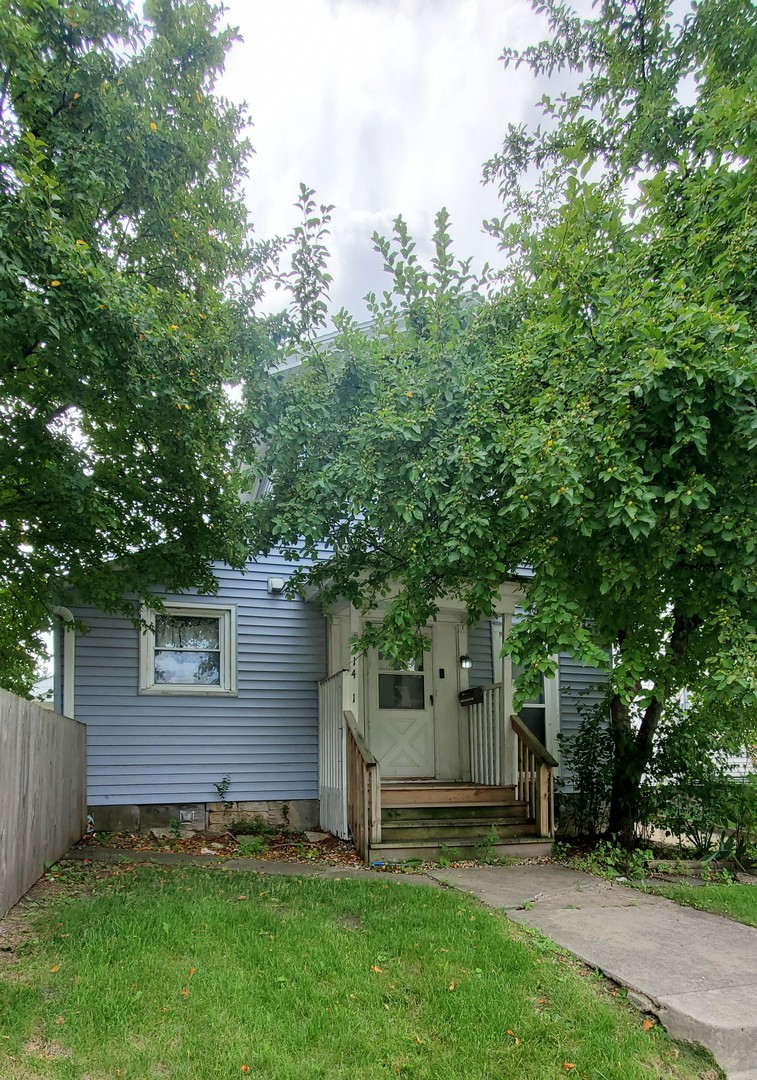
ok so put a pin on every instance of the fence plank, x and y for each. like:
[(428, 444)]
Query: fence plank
[(43, 792)]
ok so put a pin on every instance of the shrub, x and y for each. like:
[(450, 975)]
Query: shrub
[(587, 758)]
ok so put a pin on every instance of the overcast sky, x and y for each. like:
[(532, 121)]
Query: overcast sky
[(384, 107)]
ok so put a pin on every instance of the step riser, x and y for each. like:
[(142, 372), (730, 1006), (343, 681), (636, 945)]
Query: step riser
[(507, 812), (430, 852), (450, 834), (444, 795)]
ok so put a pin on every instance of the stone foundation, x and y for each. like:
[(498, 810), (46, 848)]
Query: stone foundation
[(214, 817), (299, 814)]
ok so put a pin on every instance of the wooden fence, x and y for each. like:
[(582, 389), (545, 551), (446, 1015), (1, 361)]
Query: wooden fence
[(43, 792)]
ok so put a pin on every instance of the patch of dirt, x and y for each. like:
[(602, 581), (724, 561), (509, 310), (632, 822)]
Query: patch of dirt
[(16, 930), (65, 880), (281, 846), (351, 922), (45, 1051)]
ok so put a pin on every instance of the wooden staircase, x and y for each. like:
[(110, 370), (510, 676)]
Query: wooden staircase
[(394, 820), (432, 820)]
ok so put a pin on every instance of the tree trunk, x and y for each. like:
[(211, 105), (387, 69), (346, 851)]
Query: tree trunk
[(633, 751), (626, 776)]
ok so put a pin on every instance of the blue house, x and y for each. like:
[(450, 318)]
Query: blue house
[(263, 690)]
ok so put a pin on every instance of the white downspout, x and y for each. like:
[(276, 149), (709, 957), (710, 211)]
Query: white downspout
[(68, 660)]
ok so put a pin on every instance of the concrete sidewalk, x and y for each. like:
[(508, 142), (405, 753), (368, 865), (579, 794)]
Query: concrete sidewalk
[(696, 972)]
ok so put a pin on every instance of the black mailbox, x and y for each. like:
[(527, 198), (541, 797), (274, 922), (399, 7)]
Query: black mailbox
[(474, 695)]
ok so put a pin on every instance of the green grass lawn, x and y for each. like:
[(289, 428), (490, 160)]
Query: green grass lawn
[(736, 901), (149, 972)]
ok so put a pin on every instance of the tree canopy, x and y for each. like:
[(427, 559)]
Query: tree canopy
[(593, 415), (122, 231)]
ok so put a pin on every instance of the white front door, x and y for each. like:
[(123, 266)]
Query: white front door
[(401, 716)]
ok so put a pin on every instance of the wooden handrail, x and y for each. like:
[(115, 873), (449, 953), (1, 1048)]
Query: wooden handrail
[(535, 746), (535, 779), (362, 745), (342, 671), (363, 789)]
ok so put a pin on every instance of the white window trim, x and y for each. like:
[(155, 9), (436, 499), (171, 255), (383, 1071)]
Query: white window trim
[(227, 616)]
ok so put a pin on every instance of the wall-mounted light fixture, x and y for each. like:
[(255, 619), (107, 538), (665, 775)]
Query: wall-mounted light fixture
[(275, 585), (465, 662)]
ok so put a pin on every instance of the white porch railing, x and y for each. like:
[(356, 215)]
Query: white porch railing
[(486, 737), (332, 755)]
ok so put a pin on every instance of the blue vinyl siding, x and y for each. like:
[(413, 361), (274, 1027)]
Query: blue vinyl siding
[(581, 690), (480, 652), (172, 749)]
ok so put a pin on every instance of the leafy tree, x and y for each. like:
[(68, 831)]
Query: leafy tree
[(596, 417), (121, 229)]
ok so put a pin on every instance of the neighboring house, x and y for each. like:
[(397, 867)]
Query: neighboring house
[(43, 691), (253, 686)]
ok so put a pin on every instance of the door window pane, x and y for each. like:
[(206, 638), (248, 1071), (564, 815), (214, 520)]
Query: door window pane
[(398, 690), (385, 664)]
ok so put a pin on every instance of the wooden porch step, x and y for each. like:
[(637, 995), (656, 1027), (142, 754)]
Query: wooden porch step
[(451, 832), (479, 812), (431, 793), (519, 847)]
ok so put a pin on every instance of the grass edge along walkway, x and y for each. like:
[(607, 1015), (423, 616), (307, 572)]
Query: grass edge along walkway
[(144, 971), (732, 900)]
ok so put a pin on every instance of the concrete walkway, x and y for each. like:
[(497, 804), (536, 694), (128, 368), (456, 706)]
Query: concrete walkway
[(697, 972)]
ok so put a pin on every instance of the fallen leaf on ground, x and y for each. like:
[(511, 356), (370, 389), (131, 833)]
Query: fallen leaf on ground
[(378, 970), (451, 985), (192, 971), (568, 1065), (648, 1024), (55, 967), (184, 991)]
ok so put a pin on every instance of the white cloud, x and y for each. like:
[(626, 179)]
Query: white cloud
[(383, 106)]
